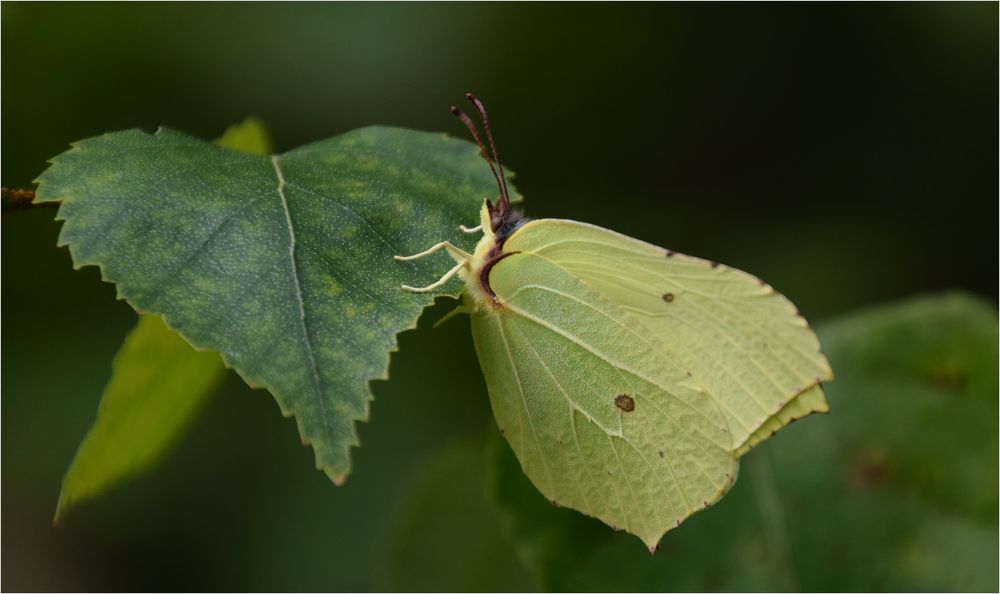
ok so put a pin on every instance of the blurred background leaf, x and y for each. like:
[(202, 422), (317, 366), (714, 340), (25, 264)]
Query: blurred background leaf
[(250, 135), (894, 490), (158, 384), (446, 535), (844, 153)]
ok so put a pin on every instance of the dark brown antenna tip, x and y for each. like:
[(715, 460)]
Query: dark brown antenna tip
[(504, 196), (458, 113), (500, 213)]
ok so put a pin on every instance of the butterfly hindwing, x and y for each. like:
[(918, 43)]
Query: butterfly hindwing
[(744, 343), (811, 400), (602, 419)]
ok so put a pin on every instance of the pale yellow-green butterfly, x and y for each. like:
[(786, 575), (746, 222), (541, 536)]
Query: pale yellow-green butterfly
[(627, 378)]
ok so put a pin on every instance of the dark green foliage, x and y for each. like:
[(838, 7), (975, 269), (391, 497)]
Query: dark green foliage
[(284, 264), (447, 535), (845, 152)]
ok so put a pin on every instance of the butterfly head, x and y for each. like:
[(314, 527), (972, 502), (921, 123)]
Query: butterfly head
[(499, 220)]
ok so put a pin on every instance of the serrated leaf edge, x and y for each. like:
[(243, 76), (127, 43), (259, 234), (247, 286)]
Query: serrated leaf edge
[(337, 479)]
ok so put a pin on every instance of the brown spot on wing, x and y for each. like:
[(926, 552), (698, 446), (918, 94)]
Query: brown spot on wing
[(668, 297), (625, 402)]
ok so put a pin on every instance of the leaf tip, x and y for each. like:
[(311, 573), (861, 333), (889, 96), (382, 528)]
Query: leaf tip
[(64, 503)]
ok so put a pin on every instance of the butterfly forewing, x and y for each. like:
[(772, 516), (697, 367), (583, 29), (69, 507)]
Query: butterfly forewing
[(744, 343)]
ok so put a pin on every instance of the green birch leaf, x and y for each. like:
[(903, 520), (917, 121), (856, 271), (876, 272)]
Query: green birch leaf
[(158, 384), (896, 490), (924, 367), (284, 263)]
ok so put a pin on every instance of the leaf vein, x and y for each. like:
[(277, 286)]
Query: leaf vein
[(301, 302)]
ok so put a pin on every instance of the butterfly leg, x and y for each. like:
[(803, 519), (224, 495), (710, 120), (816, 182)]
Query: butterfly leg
[(440, 281), (475, 229), (458, 254)]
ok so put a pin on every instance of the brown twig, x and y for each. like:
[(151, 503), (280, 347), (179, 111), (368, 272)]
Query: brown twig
[(20, 199)]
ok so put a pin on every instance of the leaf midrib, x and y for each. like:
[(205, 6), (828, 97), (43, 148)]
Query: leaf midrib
[(275, 160)]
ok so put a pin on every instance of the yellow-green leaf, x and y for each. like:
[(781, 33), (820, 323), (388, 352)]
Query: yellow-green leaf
[(249, 136), (158, 383)]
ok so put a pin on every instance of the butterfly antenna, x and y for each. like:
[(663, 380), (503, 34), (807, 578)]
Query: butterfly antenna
[(458, 113), (489, 136)]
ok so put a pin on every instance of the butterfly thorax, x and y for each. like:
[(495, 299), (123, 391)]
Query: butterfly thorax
[(497, 228)]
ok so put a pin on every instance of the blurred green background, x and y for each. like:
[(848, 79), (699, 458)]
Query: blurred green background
[(845, 153)]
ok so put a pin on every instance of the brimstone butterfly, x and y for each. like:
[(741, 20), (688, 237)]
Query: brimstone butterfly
[(627, 378)]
